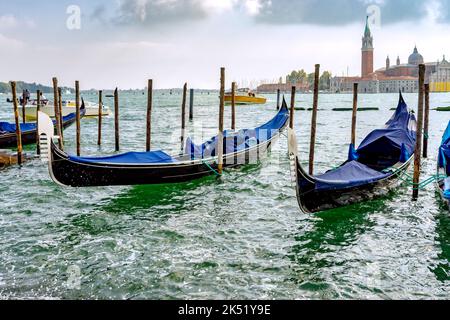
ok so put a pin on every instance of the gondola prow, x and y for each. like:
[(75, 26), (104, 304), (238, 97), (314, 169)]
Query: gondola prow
[(46, 133)]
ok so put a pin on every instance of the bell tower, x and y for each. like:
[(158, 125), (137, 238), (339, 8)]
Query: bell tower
[(367, 51)]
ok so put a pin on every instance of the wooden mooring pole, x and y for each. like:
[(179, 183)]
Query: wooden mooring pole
[(278, 98), (116, 119), (426, 124), (291, 118), (149, 115), (183, 117), (77, 113), (38, 108), (221, 115), (24, 105), (355, 112), (100, 117), (233, 106), (61, 115), (191, 104), (314, 120), (418, 152), (56, 109), (16, 118)]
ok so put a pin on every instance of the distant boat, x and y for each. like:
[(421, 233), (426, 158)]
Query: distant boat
[(244, 97), (8, 138), (443, 108), (68, 107)]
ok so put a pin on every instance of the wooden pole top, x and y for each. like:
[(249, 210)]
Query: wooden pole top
[(291, 118)]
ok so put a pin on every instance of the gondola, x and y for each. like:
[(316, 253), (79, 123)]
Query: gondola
[(443, 168), (8, 138), (157, 167), (370, 171)]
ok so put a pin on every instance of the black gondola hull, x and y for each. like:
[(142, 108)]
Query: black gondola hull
[(66, 172), (311, 200)]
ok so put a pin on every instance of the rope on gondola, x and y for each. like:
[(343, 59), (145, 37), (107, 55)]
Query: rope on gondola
[(212, 169), (407, 178)]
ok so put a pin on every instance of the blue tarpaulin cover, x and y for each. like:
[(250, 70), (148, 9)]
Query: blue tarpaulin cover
[(156, 157), (396, 141), (241, 140), (24, 127), (130, 157), (351, 174), (444, 159), (444, 151), (388, 142)]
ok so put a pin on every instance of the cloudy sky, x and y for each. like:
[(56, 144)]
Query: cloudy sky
[(124, 42)]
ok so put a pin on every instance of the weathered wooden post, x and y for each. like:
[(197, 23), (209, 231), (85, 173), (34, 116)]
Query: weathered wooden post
[(61, 115), (418, 152), (77, 113), (183, 117), (426, 123), (116, 119), (233, 106), (24, 104), (191, 104), (16, 118), (291, 118), (38, 108), (57, 115), (100, 117), (221, 115), (149, 114), (314, 120), (278, 98), (355, 112)]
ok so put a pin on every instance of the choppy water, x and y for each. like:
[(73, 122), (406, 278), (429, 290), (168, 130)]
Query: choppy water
[(239, 237)]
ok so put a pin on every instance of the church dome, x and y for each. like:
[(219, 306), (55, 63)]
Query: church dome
[(415, 58)]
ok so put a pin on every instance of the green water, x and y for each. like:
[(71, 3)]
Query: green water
[(239, 237)]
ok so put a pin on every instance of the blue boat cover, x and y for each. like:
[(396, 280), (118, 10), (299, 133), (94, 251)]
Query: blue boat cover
[(128, 158), (351, 174), (400, 133), (241, 140), (6, 127), (155, 157), (396, 142), (444, 151)]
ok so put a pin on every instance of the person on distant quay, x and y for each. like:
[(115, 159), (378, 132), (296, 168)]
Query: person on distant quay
[(27, 95)]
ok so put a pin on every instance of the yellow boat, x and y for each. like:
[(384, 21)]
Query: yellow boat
[(244, 97)]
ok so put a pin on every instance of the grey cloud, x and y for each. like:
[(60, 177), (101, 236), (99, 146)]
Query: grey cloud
[(151, 12), (341, 12)]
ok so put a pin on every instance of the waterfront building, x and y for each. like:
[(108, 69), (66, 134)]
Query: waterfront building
[(393, 77)]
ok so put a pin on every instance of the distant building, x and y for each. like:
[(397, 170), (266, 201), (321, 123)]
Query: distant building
[(284, 87), (393, 78), (440, 79)]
